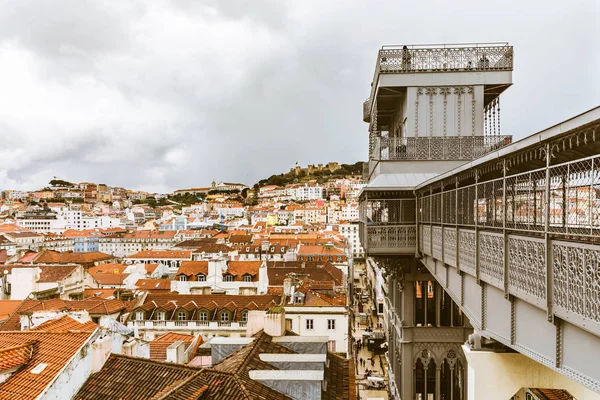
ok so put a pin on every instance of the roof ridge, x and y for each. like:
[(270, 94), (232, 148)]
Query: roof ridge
[(164, 363)]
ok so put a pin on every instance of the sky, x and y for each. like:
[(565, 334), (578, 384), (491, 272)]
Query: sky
[(159, 95)]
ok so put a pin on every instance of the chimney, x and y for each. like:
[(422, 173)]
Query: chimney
[(287, 286), (275, 321)]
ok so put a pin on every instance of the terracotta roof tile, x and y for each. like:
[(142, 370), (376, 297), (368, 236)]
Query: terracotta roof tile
[(7, 307), (193, 268), (162, 254), (153, 284), (66, 324), (67, 257), (54, 349), (158, 347), (16, 356), (131, 378)]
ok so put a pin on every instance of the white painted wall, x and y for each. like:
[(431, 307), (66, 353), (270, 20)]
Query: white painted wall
[(498, 376), (300, 314)]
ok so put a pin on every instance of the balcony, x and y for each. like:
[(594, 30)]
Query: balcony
[(190, 325), (452, 148), (392, 239), (467, 57), (451, 58), (388, 226)]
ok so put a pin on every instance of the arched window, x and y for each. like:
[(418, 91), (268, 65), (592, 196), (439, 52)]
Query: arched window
[(424, 376), (228, 278), (201, 278), (182, 278), (247, 278)]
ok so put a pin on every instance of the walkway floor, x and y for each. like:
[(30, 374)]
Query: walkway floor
[(374, 363)]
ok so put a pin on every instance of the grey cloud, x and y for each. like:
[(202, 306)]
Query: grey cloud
[(170, 94)]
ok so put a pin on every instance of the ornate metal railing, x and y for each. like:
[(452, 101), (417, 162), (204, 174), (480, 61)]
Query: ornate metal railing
[(531, 232), (438, 147), (563, 200), (393, 237), (447, 58)]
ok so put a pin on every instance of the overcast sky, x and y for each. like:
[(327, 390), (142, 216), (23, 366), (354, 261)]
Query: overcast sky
[(159, 95)]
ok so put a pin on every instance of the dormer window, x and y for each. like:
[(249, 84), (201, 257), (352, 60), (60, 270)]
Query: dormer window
[(245, 316), (203, 316), (228, 278), (139, 316), (201, 278), (161, 316), (181, 315), (298, 298), (182, 278), (248, 249), (224, 316), (247, 278)]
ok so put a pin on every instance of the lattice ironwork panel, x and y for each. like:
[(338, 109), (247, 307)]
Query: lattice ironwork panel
[(575, 198), (450, 246), (410, 59), (465, 208), (436, 208), (491, 258), (527, 266), (436, 242), (426, 209), (449, 206), (466, 251), (393, 212), (490, 209), (436, 148), (390, 237), (525, 194), (576, 271), (427, 240)]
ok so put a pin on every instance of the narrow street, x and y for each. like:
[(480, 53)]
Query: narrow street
[(362, 329)]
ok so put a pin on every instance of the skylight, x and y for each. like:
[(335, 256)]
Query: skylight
[(38, 369)]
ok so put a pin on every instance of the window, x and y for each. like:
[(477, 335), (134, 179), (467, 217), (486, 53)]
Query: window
[(331, 324), (139, 315), (161, 316), (203, 316), (247, 278), (181, 315), (339, 258), (224, 316), (310, 324), (245, 316), (228, 278), (331, 345), (201, 278), (182, 278)]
